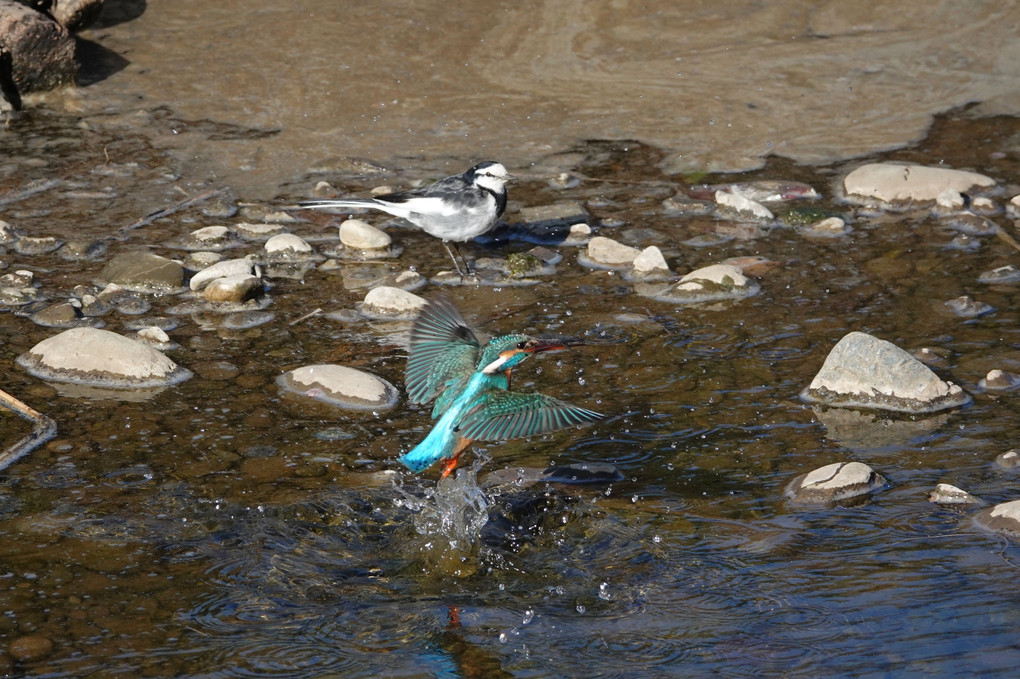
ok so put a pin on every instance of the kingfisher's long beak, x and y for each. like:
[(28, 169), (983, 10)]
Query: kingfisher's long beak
[(560, 344)]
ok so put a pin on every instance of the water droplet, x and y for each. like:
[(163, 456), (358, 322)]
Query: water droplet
[(581, 609), (656, 539), (502, 637), (529, 615), (580, 380)]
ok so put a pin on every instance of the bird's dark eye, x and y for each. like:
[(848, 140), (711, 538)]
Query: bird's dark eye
[(522, 344)]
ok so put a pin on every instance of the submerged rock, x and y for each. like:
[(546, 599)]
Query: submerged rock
[(143, 272), (341, 386), (906, 183), (864, 371), (100, 358), (834, 482), (37, 246), (967, 307), (946, 494), (1008, 460), (1003, 517), (1003, 274), (830, 227)]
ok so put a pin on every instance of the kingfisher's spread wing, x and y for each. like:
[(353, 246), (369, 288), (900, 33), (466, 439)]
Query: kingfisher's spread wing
[(444, 351), (505, 415)]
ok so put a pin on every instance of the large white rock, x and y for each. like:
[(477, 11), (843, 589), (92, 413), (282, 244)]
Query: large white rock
[(897, 182), (833, 482), (100, 358), (341, 386), (864, 371)]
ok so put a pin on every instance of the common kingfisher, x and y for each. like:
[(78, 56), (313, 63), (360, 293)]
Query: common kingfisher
[(471, 385)]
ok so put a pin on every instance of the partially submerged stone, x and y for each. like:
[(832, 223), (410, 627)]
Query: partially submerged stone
[(287, 244), (244, 266), (867, 372), (387, 302), (890, 183), (341, 386), (1004, 517), (360, 235), (235, 289), (650, 264), (707, 284), (605, 252), (834, 482), (742, 207), (999, 380), (100, 358), (946, 494)]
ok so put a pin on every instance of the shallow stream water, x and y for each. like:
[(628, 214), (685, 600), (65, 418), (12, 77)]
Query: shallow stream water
[(220, 528)]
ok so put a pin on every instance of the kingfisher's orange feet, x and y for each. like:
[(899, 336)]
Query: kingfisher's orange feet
[(450, 465)]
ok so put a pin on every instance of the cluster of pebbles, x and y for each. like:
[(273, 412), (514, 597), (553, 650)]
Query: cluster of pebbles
[(861, 372)]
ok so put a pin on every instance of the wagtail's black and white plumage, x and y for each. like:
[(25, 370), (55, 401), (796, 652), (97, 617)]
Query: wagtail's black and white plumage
[(455, 209)]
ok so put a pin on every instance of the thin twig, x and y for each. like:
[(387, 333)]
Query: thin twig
[(313, 312), (43, 431), (176, 207), (1006, 237)]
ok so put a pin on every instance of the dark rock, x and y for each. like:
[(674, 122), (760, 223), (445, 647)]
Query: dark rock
[(143, 271), (42, 52)]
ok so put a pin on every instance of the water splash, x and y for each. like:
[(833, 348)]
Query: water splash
[(448, 520)]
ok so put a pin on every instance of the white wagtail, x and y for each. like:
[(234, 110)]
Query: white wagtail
[(455, 209)]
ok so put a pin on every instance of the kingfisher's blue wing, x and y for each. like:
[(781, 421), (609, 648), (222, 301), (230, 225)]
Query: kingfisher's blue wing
[(444, 351), (504, 415)]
